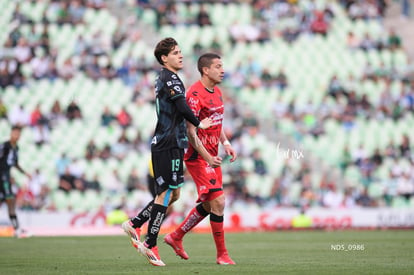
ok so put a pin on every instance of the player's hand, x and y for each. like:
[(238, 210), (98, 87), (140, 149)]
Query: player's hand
[(205, 123), (215, 161), (231, 152)]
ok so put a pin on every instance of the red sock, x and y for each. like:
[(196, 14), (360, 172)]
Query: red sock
[(196, 215), (216, 223)]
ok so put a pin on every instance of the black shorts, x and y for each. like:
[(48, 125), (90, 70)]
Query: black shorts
[(168, 169), (5, 186)]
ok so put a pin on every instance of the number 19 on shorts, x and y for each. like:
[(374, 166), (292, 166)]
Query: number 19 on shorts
[(175, 165)]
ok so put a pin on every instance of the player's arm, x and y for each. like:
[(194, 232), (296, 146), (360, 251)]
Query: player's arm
[(186, 112), (21, 170), (227, 146), (213, 161)]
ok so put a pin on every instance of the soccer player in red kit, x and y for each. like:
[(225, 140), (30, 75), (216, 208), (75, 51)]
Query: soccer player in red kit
[(202, 160)]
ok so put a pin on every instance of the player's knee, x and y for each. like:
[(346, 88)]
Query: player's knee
[(221, 201), (11, 208), (207, 206), (174, 198), (217, 205), (175, 195), (10, 202)]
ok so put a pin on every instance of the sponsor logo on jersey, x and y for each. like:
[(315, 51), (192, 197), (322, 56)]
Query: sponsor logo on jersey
[(178, 89), (169, 83), (217, 118), (210, 170), (193, 102), (213, 109)]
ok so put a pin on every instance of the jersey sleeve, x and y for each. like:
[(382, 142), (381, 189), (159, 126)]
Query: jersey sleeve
[(175, 88), (193, 102), (185, 111)]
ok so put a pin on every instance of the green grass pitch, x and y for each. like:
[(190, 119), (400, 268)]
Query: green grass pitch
[(298, 252)]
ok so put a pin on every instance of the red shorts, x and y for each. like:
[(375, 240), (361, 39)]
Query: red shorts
[(207, 179)]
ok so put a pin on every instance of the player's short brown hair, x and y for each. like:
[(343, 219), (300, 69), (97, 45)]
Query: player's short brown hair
[(164, 47), (206, 60), (16, 128)]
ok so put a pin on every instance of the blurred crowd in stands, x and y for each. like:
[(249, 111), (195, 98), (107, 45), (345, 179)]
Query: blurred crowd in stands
[(37, 51)]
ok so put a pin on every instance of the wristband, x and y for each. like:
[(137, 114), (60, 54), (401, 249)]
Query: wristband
[(201, 126), (226, 142)]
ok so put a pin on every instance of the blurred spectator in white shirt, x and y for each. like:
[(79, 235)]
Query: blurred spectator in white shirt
[(67, 70), (75, 168), (22, 51), (332, 198), (39, 188), (40, 66), (19, 116), (114, 183)]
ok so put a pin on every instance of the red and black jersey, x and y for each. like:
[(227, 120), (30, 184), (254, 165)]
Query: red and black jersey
[(205, 103)]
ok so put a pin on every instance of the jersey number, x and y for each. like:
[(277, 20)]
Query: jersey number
[(175, 165)]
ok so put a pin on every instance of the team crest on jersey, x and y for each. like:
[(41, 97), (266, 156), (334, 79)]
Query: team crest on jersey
[(174, 76)]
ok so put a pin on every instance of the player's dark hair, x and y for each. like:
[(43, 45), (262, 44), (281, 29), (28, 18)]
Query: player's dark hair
[(16, 127), (206, 60), (164, 47)]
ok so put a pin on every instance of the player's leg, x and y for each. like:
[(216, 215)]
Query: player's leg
[(18, 231), (10, 200), (158, 213), (149, 248), (169, 177), (168, 171), (217, 229), (134, 224), (197, 169), (11, 206), (217, 204), (132, 227)]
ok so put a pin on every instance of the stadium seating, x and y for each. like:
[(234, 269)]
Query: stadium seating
[(309, 63)]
